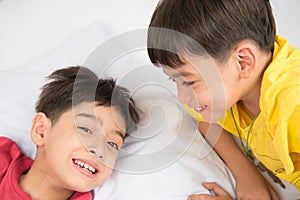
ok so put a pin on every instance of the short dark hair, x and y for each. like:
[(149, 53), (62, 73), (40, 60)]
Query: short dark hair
[(72, 86), (217, 26)]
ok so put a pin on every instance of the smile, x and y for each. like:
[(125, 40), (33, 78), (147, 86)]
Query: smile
[(200, 109), (85, 166)]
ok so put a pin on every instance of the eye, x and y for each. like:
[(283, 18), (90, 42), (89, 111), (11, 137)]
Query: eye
[(86, 130), (188, 83), (113, 145), (170, 78)]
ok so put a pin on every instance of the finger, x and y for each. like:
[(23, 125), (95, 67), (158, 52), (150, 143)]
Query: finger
[(218, 190)]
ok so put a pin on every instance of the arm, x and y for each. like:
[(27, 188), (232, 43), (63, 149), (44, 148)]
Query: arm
[(250, 184)]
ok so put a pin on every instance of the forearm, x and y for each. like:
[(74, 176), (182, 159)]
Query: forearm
[(224, 144)]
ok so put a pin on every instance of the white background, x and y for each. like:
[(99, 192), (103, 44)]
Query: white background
[(30, 28)]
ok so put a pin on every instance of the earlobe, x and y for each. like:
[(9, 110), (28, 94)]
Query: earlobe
[(38, 128)]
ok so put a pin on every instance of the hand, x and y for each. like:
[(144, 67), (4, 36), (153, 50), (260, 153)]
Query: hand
[(219, 191), (254, 187)]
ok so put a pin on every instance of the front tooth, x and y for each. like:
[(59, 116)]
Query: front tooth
[(91, 169), (86, 166)]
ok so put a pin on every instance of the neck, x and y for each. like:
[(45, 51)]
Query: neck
[(39, 186), (250, 100)]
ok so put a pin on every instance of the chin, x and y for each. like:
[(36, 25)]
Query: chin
[(84, 187), (212, 118), (81, 185)]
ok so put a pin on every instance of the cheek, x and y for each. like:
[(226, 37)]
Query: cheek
[(104, 176), (185, 90), (63, 142), (202, 93), (179, 87), (225, 94)]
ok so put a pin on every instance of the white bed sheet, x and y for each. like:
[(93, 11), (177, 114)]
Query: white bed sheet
[(37, 37)]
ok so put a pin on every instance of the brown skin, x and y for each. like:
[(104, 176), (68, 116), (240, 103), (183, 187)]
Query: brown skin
[(241, 76), (54, 171)]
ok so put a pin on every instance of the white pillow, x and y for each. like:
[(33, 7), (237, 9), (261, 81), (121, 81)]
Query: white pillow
[(172, 165), (166, 157)]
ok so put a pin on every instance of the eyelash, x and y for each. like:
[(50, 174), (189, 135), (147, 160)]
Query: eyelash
[(184, 83), (171, 79), (113, 145), (188, 83), (86, 130)]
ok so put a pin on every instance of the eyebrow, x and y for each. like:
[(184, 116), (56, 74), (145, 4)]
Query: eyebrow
[(94, 118), (184, 74), (120, 134)]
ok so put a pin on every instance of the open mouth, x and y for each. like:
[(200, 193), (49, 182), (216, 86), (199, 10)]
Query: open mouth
[(85, 166), (200, 109)]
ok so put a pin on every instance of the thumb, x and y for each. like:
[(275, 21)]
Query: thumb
[(218, 190)]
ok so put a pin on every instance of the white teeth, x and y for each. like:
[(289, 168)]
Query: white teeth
[(199, 108), (92, 169), (85, 165)]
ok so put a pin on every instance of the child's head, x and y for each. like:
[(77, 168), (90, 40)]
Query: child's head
[(80, 125), (216, 25), (75, 85), (215, 50)]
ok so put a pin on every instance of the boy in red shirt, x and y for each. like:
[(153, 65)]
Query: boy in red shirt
[(79, 127)]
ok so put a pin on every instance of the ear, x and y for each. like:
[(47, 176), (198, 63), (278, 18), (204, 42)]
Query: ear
[(39, 128), (245, 53)]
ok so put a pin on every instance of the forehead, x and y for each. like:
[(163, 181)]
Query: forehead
[(204, 66), (185, 70), (105, 116)]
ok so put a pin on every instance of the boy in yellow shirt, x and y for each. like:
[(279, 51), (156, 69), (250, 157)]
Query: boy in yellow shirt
[(233, 71)]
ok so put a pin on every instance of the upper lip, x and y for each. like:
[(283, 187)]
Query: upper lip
[(197, 106), (203, 106)]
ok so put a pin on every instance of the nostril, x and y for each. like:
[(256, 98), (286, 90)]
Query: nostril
[(92, 151)]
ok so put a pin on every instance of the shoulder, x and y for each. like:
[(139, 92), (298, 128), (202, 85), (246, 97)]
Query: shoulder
[(280, 89), (6, 143), (9, 153), (8, 150), (284, 69)]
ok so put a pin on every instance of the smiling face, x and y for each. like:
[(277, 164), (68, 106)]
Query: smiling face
[(207, 86), (78, 152)]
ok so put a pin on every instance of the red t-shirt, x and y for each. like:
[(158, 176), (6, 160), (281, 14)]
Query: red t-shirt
[(13, 163)]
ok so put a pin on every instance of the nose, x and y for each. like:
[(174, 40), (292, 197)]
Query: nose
[(182, 95), (97, 146), (101, 152), (96, 152)]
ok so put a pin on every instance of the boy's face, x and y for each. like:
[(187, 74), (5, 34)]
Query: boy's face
[(80, 149), (206, 85)]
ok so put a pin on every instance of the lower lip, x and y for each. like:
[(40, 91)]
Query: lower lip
[(85, 171)]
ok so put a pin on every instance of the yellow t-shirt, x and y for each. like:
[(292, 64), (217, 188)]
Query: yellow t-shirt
[(275, 135)]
